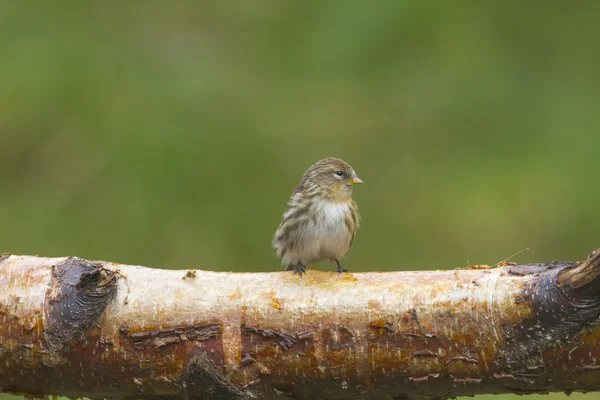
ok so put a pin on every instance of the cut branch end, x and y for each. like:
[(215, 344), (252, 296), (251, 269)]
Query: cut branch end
[(586, 275)]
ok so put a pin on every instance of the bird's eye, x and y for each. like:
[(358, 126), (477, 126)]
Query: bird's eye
[(339, 173)]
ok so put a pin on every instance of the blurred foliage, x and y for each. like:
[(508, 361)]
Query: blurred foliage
[(171, 135)]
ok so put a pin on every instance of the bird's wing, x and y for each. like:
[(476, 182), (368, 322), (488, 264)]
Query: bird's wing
[(298, 209), (352, 221)]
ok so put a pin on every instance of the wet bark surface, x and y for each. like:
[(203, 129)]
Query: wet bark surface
[(75, 327)]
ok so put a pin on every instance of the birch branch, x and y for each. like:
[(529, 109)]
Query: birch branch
[(96, 329)]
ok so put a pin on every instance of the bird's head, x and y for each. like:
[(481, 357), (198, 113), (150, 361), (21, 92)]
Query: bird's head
[(332, 178)]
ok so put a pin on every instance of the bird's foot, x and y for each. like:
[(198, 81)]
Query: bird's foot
[(340, 269), (300, 269)]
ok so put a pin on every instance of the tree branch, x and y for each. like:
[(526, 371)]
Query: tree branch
[(74, 327)]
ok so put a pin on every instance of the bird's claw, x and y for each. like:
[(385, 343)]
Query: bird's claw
[(340, 269), (300, 269)]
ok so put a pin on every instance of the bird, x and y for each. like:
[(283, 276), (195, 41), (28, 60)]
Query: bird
[(321, 218)]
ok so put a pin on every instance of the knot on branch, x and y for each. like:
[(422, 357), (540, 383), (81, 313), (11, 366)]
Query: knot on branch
[(206, 381), (80, 291), (564, 302)]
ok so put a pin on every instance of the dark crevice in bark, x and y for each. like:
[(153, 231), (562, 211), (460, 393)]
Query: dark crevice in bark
[(283, 340), (164, 337)]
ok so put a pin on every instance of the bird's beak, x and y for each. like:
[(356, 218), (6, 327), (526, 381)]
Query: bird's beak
[(355, 180)]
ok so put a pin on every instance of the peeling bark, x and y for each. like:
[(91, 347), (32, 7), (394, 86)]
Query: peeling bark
[(74, 327)]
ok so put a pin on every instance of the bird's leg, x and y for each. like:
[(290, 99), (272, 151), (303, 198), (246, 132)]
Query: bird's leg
[(299, 269), (340, 268)]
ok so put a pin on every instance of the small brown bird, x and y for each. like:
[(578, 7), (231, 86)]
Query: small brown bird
[(321, 218)]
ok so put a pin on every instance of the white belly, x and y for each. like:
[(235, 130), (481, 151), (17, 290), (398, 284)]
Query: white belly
[(326, 236)]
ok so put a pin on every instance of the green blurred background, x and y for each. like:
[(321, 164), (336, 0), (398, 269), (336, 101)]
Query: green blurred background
[(171, 135)]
